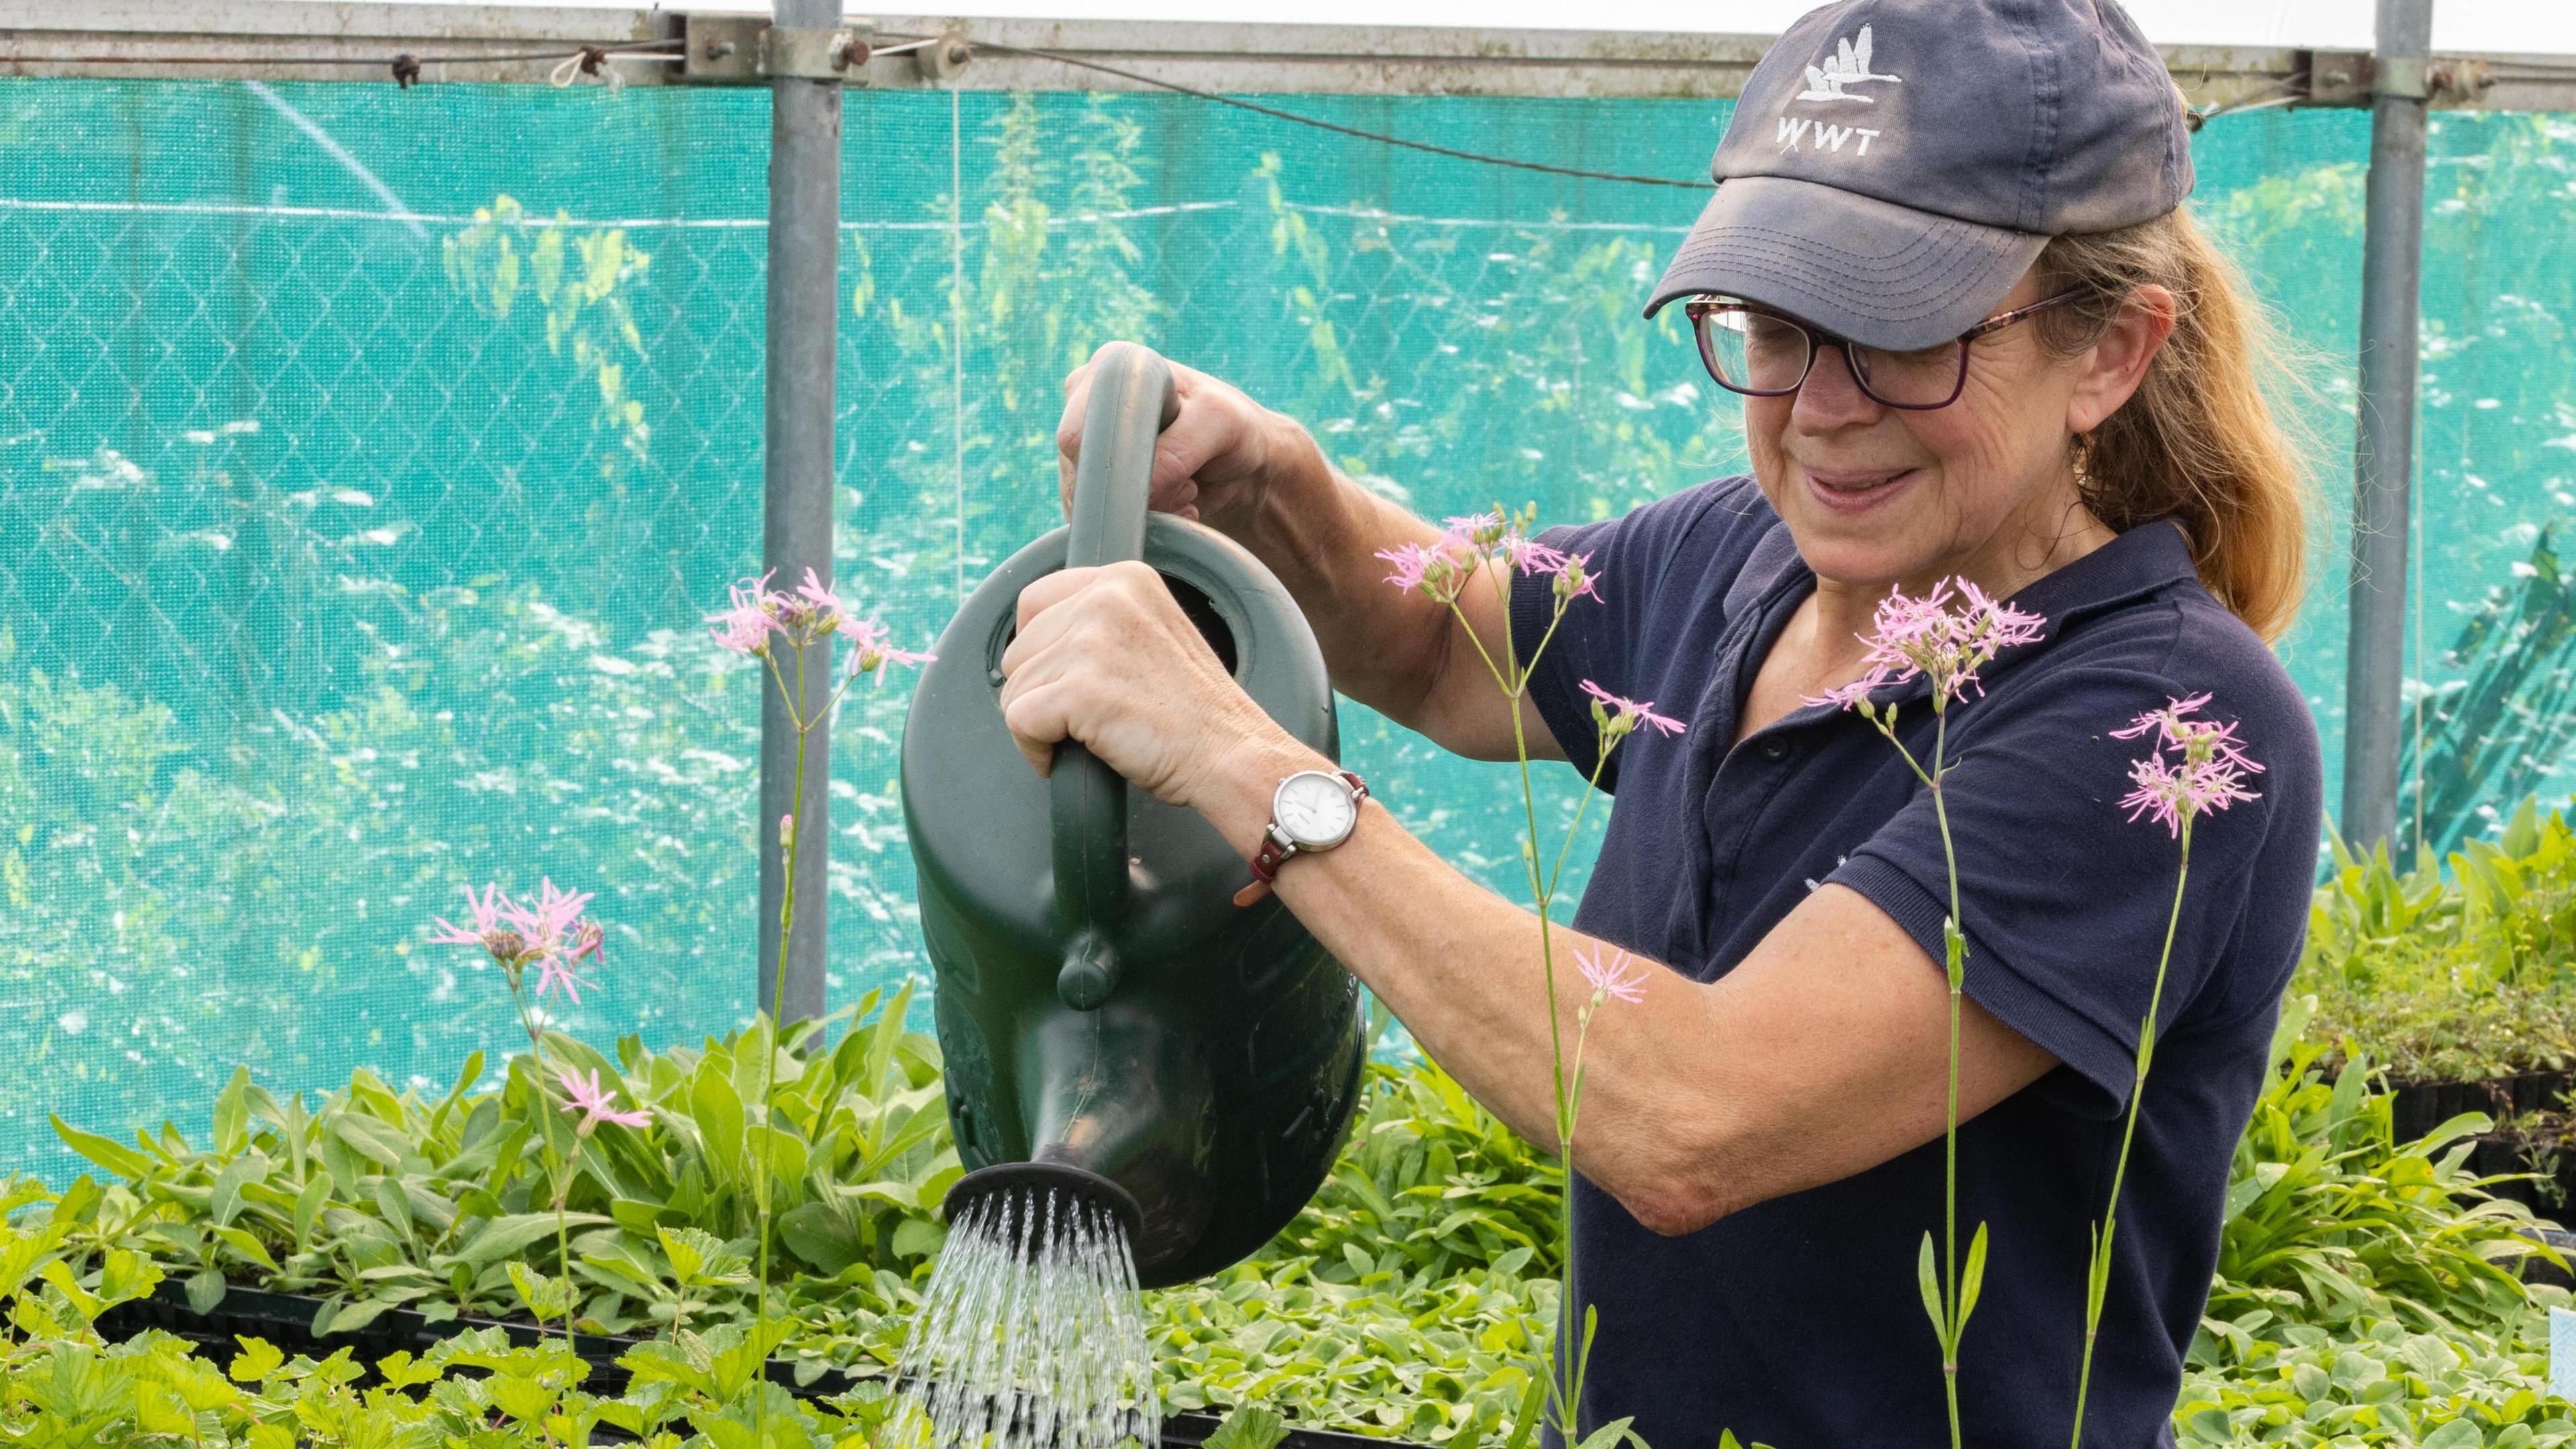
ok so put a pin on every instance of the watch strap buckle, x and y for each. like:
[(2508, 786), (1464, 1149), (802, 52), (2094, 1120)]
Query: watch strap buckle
[(1277, 846)]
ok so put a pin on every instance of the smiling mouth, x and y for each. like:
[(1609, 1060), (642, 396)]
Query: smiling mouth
[(1853, 483)]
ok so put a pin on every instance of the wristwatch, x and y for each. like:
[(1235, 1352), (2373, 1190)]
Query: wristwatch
[(1311, 810)]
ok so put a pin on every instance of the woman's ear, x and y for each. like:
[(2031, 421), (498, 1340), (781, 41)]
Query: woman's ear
[(2110, 370)]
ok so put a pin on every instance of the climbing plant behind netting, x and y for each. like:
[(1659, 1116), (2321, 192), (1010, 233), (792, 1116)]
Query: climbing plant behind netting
[(360, 503)]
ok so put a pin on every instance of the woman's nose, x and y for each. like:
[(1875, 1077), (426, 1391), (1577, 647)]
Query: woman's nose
[(1830, 398)]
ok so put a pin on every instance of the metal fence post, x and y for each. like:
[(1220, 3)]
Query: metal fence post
[(802, 317), (2384, 440)]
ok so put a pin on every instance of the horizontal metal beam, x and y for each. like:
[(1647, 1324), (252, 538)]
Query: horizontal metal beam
[(308, 39), (284, 40)]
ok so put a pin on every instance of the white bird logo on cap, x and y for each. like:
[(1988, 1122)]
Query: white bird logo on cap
[(1848, 65)]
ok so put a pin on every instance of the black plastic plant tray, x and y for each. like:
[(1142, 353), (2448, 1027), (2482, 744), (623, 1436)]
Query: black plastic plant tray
[(2423, 1106), (285, 1320)]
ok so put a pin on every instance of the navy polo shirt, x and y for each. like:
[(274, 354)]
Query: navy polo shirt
[(1797, 1322)]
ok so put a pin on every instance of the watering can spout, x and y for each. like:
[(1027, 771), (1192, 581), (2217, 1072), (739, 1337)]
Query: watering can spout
[(1115, 1030)]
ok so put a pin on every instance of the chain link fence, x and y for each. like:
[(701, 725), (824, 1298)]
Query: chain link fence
[(368, 460)]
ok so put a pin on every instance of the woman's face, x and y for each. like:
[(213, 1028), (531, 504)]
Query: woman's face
[(1984, 488)]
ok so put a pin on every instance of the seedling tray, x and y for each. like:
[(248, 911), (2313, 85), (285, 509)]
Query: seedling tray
[(285, 1320)]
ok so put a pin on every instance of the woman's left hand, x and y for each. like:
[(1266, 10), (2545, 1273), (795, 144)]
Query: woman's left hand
[(1105, 657)]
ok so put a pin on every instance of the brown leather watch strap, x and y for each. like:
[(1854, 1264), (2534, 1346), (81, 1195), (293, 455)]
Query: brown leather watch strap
[(1276, 848)]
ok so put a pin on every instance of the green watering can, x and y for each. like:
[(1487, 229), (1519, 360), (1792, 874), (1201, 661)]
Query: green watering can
[(1114, 1025)]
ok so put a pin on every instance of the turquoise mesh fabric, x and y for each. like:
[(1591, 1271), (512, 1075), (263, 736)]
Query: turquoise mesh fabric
[(369, 459)]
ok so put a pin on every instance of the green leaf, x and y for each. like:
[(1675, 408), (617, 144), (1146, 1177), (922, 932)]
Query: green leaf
[(225, 1203), (822, 1237), (1614, 1432), (232, 1114), (396, 1208), (351, 1317), (504, 1236), (1927, 1276), (206, 1289), (1529, 1417), (369, 1138), (688, 1250), (717, 1109), (308, 1204), (246, 1245), (544, 1296), (2457, 1434), (918, 1237), (124, 1161), (1249, 1426), (1973, 1277), (257, 1360)]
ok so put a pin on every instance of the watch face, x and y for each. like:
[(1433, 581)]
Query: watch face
[(1315, 809)]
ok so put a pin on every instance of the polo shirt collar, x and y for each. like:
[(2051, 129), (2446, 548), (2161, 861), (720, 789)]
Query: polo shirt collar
[(2133, 565)]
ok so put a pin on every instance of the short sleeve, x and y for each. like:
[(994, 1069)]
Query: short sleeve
[(2064, 899), (1605, 640)]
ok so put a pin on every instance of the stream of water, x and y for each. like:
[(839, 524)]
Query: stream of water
[(1030, 1336)]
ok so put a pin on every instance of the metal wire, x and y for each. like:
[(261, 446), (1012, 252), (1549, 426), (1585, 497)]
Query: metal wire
[(2289, 91), (1275, 113), (624, 50)]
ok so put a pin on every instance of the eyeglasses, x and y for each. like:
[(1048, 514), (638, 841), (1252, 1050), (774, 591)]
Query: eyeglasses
[(1763, 354)]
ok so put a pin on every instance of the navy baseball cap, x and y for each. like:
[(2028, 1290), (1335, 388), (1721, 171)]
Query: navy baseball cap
[(1894, 166)]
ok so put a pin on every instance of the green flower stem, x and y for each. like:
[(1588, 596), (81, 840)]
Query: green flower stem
[(563, 1248), (555, 1173), (2097, 1274), (1954, 951), (760, 1162), (1564, 1372)]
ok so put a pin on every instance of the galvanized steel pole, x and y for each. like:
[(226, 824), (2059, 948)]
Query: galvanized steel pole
[(2384, 440), (802, 314)]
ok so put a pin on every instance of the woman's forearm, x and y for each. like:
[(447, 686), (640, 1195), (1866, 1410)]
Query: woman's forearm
[(1461, 968), (1825, 1052), (1320, 533)]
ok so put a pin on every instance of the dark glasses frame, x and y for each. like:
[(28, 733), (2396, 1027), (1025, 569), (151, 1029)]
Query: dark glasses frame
[(1704, 312)]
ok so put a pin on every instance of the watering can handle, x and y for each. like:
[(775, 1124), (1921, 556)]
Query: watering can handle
[(1132, 401)]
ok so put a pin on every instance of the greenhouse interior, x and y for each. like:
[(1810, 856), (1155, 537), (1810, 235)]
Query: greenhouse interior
[(457, 461)]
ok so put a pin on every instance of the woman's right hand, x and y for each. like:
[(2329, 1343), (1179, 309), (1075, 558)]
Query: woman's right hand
[(1211, 465)]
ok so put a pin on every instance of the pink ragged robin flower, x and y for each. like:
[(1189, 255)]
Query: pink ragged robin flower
[(815, 609), (1438, 568), (1618, 978), (549, 933), (2207, 772), (551, 919), (2175, 729), (745, 627), (1575, 579), (873, 652), (1946, 636), (556, 970), (496, 928), (1481, 531), (1617, 717), (1529, 556), (595, 1102)]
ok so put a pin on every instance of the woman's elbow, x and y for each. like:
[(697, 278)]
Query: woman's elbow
[(1672, 1191), (1672, 1214)]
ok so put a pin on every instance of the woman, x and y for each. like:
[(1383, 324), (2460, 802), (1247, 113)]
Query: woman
[(1976, 339)]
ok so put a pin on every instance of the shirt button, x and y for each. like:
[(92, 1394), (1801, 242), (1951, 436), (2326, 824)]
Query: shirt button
[(1775, 749)]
